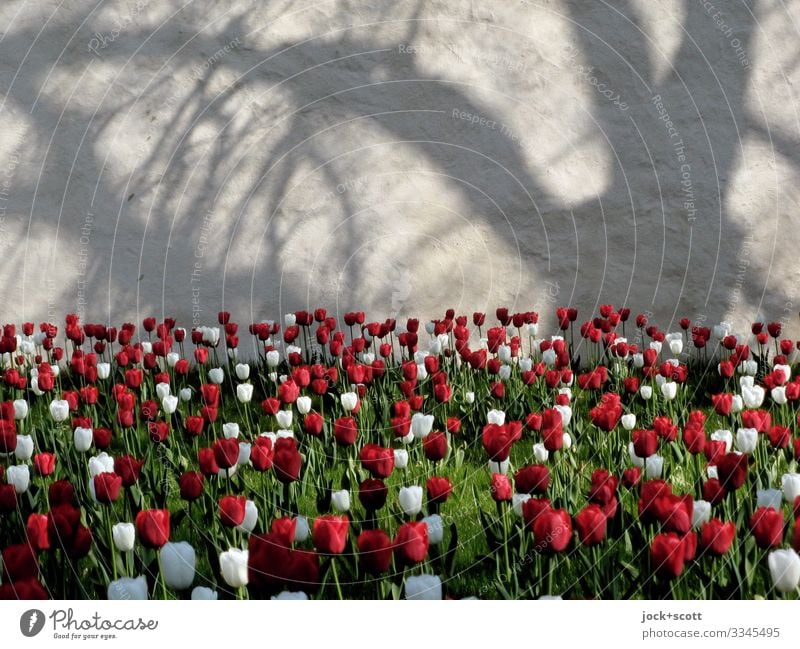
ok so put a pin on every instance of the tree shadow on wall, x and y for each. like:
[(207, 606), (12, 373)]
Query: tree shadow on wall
[(312, 91)]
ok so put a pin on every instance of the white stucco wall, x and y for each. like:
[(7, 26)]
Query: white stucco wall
[(175, 157)]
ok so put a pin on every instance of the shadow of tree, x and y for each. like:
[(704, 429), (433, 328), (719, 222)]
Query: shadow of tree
[(225, 156)]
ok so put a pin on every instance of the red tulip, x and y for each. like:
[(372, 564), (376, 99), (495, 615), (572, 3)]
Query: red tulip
[(591, 525), (411, 542), (232, 510), (767, 527), (375, 551), (716, 537), (552, 530), (330, 533), (152, 527), (668, 555)]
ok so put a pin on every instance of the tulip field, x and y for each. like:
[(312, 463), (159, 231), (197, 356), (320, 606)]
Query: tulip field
[(343, 458)]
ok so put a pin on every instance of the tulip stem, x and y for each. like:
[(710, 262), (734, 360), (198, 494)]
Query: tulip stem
[(336, 578), (161, 575)]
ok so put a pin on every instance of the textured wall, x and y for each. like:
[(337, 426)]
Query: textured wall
[(402, 156)]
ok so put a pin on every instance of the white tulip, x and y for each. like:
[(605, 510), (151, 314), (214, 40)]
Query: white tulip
[(540, 453), (504, 353), (242, 371), (421, 425), (638, 360), (20, 409), (127, 588), (341, 500), (301, 529), (701, 513), (565, 412), (496, 417), (778, 394), (549, 357), (186, 394), (216, 375), (102, 463), (669, 390), (753, 396), (411, 500), (19, 476), (103, 370), (784, 568), (499, 467), (163, 390), (469, 397), (287, 595), (82, 438), (233, 566), (748, 367), (711, 471), (435, 529), (290, 319), (204, 593), (422, 372), (646, 391), (244, 453), (746, 382), (769, 498), (746, 440), (230, 430), (423, 587), (24, 450), (169, 404), (737, 404), (400, 458), (790, 482), (525, 364), (629, 421), (517, 500), (244, 392), (566, 391), (349, 400), (178, 561), (723, 436), (250, 520), (656, 344), (173, 358), (504, 373), (147, 347), (284, 418), (654, 466), (124, 536), (303, 405), (566, 441), (273, 358), (59, 410)]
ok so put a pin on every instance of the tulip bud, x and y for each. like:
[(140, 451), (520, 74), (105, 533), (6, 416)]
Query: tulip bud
[(242, 371), (244, 392), (19, 476), (178, 563), (341, 500), (204, 593), (423, 587), (248, 524), (784, 568), (701, 513), (216, 375), (24, 450), (59, 410), (233, 566), (169, 403), (284, 418), (469, 397), (670, 390), (102, 463), (186, 394), (790, 482), (629, 421), (746, 440), (400, 458), (301, 529), (127, 588), (20, 409), (82, 438), (303, 405), (162, 390), (496, 417), (123, 535), (410, 499), (540, 453), (103, 370), (230, 430), (646, 391), (421, 425), (349, 401), (435, 528)]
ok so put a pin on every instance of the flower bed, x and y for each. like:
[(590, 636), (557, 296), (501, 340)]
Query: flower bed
[(386, 460)]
